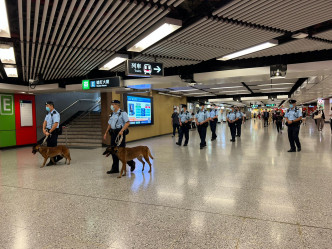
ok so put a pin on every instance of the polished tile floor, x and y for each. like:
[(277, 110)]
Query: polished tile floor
[(247, 194)]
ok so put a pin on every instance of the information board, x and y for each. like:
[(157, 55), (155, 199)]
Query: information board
[(144, 69), (101, 83), (139, 110), (26, 113)]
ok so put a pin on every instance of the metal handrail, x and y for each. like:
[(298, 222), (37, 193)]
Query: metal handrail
[(77, 101)]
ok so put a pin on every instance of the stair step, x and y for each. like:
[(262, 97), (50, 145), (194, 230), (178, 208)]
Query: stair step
[(80, 136), (81, 140), (71, 132), (81, 145), (84, 126), (87, 129)]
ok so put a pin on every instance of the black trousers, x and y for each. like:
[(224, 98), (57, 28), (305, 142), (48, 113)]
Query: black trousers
[(193, 125), (293, 136), (266, 121), (184, 130), (202, 134), (114, 134), (232, 127), (175, 126), (213, 126), (279, 125), (238, 127)]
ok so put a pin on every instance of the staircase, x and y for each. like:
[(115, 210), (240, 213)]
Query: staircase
[(82, 132)]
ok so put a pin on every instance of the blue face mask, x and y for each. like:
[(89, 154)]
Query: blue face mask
[(291, 106), (48, 109), (182, 109), (112, 108)]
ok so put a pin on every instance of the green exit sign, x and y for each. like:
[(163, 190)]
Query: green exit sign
[(270, 105), (85, 84), (6, 104)]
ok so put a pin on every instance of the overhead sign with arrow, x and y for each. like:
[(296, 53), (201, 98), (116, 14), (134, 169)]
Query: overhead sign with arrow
[(144, 69)]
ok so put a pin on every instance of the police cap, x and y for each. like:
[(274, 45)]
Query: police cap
[(116, 101), (49, 103), (184, 105), (292, 101)]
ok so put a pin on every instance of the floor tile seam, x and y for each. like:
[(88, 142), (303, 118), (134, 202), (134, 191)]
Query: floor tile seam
[(172, 207)]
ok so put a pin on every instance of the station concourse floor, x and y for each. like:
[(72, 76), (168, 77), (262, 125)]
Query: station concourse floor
[(247, 194)]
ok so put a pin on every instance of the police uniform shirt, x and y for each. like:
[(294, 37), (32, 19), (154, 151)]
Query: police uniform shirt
[(232, 116), (293, 114), (51, 118), (202, 116), (118, 119), (213, 113), (239, 115), (184, 116)]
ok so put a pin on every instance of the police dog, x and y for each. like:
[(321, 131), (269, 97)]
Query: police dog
[(50, 152), (128, 154)]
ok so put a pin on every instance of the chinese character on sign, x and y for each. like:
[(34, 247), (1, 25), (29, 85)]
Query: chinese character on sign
[(139, 65), (133, 65)]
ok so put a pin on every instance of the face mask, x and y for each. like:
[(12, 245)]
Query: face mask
[(175, 111), (291, 106), (182, 109), (48, 109), (112, 108)]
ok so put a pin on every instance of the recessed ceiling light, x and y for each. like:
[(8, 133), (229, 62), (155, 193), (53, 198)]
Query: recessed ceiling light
[(300, 35), (11, 71), (7, 55), (4, 26), (162, 29), (115, 60), (250, 50)]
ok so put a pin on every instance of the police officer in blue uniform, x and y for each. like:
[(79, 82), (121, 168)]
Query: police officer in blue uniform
[(184, 120), (118, 124), (202, 120), (51, 128), (293, 120), (232, 118), (239, 123), (213, 121)]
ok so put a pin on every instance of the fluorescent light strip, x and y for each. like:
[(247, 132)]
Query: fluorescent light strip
[(158, 32), (276, 84), (169, 95), (226, 87), (115, 60), (235, 91), (250, 50), (255, 98), (7, 55), (174, 91), (4, 26), (280, 88)]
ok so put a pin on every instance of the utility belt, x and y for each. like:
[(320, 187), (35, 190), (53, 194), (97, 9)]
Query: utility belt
[(116, 131), (186, 125), (214, 120), (298, 123), (57, 131)]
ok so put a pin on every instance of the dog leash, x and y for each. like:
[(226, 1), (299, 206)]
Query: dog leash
[(118, 139), (43, 143)]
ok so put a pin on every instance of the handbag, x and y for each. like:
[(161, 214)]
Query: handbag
[(318, 116)]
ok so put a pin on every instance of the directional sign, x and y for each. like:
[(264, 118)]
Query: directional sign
[(144, 69), (101, 83), (270, 105)]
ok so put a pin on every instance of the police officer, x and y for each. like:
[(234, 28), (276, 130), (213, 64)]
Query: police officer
[(232, 118), (51, 128), (293, 120), (239, 123), (202, 118), (184, 120), (118, 125), (213, 121)]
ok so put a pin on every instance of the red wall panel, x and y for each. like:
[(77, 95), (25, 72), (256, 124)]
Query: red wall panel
[(25, 135)]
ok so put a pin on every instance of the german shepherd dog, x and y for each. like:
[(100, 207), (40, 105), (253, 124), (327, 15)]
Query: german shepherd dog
[(50, 152), (128, 154)]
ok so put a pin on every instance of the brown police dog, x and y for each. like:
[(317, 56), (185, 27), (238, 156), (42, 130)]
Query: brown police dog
[(50, 152), (128, 154)]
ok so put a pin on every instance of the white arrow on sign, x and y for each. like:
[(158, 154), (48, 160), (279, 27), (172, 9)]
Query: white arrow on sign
[(158, 69)]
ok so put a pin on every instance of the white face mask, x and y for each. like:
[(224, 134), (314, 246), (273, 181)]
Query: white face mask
[(182, 109), (112, 108)]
